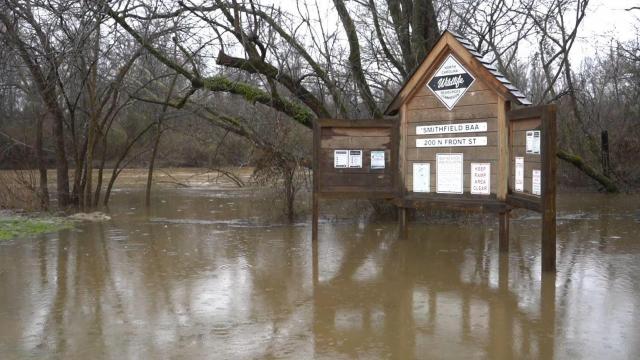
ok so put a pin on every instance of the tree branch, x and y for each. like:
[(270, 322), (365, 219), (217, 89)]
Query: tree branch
[(355, 61)]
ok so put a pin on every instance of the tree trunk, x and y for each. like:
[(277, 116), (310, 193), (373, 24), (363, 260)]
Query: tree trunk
[(62, 166), (116, 170), (608, 183), (96, 197), (154, 152), (43, 192), (290, 193), (156, 142)]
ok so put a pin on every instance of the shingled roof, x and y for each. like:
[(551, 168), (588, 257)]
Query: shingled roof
[(501, 83)]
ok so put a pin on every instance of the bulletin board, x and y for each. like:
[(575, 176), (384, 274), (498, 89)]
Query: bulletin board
[(355, 158)]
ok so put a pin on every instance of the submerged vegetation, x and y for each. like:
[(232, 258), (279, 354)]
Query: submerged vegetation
[(20, 226)]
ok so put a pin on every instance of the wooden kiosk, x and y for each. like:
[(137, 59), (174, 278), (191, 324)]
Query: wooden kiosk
[(457, 144)]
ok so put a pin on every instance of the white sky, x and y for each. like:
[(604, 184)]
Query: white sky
[(605, 19)]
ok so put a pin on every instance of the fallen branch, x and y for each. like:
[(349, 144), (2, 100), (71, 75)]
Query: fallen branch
[(231, 176)]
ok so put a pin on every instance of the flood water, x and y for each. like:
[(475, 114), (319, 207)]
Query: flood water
[(216, 274)]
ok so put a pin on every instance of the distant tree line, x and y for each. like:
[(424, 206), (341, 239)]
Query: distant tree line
[(96, 85)]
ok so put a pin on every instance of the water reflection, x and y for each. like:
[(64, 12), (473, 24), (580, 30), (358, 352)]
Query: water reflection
[(429, 297), (180, 282)]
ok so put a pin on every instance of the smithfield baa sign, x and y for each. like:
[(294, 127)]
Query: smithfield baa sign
[(450, 82)]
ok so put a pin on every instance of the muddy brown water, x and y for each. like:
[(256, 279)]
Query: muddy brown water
[(215, 274)]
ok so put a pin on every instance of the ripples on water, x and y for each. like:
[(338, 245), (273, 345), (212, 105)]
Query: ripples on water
[(214, 274)]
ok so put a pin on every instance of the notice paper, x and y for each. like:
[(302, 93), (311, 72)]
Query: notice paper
[(533, 142), (519, 180), (421, 177), (355, 158), (449, 174), (340, 158), (480, 178), (536, 142), (377, 159), (529, 143), (536, 182)]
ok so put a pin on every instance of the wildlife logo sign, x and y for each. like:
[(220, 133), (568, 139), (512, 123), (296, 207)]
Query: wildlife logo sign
[(450, 82)]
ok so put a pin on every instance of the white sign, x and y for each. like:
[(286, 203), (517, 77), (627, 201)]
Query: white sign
[(454, 141), (451, 128), (536, 142), (450, 82), (449, 174), (340, 159), (355, 158), (529, 142), (421, 177), (536, 183), (481, 178), (519, 180), (533, 142), (377, 159)]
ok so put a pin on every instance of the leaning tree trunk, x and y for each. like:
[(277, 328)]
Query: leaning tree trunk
[(578, 162)]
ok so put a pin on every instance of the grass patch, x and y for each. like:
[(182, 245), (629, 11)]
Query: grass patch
[(19, 226)]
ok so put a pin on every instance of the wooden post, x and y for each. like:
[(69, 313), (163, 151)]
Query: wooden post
[(503, 221), (503, 273), (504, 154), (400, 185), (314, 219), (548, 252), (314, 255), (316, 167), (547, 315), (402, 215)]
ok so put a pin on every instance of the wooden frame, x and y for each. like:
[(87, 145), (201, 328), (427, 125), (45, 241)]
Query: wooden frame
[(546, 202), (353, 127)]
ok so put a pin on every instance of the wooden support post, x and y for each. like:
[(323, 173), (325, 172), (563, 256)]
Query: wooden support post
[(402, 219), (503, 221), (503, 272), (316, 169), (503, 149), (548, 252), (314, 219), (547, 315), (401, 168), (314, 253)]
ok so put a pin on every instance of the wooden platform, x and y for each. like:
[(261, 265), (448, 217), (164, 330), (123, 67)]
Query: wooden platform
[(452, 202)]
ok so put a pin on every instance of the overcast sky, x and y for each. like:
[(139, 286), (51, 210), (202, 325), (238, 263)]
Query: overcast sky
[(605, 18)]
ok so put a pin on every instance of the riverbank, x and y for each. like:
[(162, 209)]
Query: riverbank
[(14, 225)]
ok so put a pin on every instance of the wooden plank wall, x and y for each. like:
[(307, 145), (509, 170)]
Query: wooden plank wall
[(355, 180), (479, 104)]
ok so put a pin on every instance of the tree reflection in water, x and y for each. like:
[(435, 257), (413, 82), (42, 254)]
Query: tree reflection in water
[(181, 282)]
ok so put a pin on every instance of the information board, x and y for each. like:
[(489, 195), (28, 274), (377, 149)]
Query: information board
[(353, 158)]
